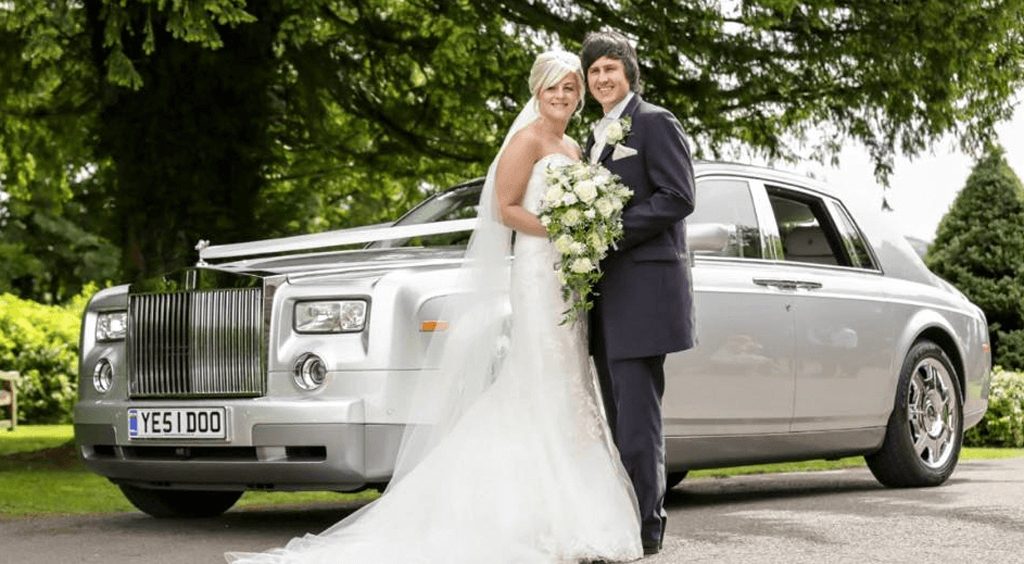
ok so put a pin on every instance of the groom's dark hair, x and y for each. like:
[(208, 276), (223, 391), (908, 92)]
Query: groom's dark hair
[(613, 45)]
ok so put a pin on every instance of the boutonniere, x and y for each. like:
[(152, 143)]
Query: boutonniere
[(617, 131)]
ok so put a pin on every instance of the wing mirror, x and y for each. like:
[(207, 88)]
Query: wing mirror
[(708, 237)]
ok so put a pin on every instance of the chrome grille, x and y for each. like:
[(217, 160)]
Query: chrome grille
[(205, 343)]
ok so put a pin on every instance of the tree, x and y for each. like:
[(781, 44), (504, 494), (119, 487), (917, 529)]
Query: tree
[(227, 119), (979, 248)]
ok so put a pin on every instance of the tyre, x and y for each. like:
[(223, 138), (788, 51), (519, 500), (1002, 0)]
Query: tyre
[(180, 503), (925, 431), (672, 479)]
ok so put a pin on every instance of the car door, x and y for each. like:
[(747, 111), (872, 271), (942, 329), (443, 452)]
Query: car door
[(739, 379), (845, 332)]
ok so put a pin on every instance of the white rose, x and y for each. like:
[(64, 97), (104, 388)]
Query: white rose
[(554, 194), (569, 198), (590, 213), (580, 173), (545, 220), (561, 277), (597, 241), (581, 265), (587, 191), (572, 217), (563, 244), (614, 132), (578, 248), (605, 207)]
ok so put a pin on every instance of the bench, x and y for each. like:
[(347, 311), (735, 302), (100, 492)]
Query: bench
[(9, 399)]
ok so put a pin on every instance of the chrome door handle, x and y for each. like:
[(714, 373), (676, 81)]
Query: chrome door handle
[(787, 284), (776, 283)]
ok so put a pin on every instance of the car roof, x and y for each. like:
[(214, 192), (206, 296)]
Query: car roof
[(706, 168)]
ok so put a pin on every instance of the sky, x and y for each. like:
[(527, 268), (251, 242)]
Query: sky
[(921, 190)]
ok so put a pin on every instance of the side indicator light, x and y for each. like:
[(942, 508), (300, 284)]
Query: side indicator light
[(432, 326)]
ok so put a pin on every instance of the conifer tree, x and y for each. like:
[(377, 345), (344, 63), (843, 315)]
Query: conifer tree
[(979, 248)]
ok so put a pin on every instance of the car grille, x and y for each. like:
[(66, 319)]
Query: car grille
[(205, 343)]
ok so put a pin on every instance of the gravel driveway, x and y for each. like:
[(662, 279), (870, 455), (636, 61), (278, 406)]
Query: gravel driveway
[(839, 516)]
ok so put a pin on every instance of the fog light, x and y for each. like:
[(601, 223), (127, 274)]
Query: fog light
[(310, 372), (103, 376)]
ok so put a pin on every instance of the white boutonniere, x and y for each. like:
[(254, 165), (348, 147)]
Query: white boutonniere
[(617, 131)]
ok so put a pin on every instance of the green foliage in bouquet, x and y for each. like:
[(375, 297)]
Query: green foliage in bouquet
[(1003, 425), (41, 342), (582, 211), (979, 248)]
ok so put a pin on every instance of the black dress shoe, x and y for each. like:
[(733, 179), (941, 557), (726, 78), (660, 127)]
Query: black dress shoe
[(654, 547)]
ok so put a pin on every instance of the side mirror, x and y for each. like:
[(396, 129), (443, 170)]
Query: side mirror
[(708, 237)]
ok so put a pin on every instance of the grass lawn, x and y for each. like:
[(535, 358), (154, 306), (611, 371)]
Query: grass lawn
[(40, 475)]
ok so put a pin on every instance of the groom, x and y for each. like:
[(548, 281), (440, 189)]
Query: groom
[(644, 304)]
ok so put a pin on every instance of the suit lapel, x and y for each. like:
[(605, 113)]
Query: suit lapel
[(628, 111)]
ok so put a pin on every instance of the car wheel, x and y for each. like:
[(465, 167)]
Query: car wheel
[(180, 503), (925, 431), (672, 479)]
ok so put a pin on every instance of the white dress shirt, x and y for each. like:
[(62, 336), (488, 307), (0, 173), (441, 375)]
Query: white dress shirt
[(602, 127)]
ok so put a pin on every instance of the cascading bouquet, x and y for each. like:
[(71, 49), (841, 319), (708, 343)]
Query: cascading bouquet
[(582, 211)]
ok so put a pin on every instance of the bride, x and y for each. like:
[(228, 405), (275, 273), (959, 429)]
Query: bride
[(510, 459)]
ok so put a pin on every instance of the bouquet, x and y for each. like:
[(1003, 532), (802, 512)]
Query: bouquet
[(582, 211)]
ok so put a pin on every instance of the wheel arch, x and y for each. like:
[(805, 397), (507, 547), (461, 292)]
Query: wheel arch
[(942, 337)]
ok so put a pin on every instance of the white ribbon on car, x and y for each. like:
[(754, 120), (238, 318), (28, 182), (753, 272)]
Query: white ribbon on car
[(329, 239)]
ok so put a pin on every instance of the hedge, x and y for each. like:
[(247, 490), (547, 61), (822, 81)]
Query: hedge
[(41, 342), (1003, 425)]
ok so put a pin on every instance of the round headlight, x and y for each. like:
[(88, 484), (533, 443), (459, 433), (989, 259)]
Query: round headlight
[(310, 372), (102, 376)]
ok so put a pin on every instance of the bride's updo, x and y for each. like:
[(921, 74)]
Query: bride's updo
[(550, 67)]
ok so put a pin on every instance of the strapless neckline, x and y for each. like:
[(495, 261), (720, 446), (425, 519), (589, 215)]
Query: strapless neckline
[(550, 155)]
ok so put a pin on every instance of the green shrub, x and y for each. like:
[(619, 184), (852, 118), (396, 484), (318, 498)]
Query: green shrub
[(1003, 425), (41, 342), (979, 248)]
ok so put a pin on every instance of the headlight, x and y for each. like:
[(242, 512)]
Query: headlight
[(335, 316), (111, 325), (102, 376)]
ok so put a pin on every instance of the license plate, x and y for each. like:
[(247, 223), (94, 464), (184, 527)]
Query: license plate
[(177, 423)]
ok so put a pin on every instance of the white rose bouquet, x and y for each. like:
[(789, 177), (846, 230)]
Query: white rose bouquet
[(582, 211)]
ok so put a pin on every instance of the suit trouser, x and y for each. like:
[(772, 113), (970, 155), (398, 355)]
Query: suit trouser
[(631, 389)]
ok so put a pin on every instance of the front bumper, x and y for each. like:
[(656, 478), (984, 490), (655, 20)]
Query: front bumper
[(270, 445)]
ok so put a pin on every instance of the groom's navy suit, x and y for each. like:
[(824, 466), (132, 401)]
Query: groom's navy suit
[(644, 303)]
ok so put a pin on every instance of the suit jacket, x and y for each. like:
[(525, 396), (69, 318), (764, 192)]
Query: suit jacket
[(644, 301)]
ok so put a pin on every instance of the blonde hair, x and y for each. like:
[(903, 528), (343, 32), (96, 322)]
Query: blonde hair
[(550, 67)]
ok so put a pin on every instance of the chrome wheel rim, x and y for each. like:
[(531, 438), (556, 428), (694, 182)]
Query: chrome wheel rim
[(932, 413)]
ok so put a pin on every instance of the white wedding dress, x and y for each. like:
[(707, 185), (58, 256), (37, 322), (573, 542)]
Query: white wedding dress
[(528, 474)]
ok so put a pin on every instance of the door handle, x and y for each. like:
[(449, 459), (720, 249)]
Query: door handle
[(787, 284)]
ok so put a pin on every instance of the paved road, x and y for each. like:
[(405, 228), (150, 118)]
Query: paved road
[(833, 517)]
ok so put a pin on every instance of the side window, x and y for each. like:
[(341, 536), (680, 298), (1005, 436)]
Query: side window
[(723, 222), (805, 229), (856, 246)]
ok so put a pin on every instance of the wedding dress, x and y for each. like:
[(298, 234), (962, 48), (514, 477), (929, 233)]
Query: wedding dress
[(527, 473)]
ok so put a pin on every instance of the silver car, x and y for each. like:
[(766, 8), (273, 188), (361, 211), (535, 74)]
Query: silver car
[(286, 364)]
